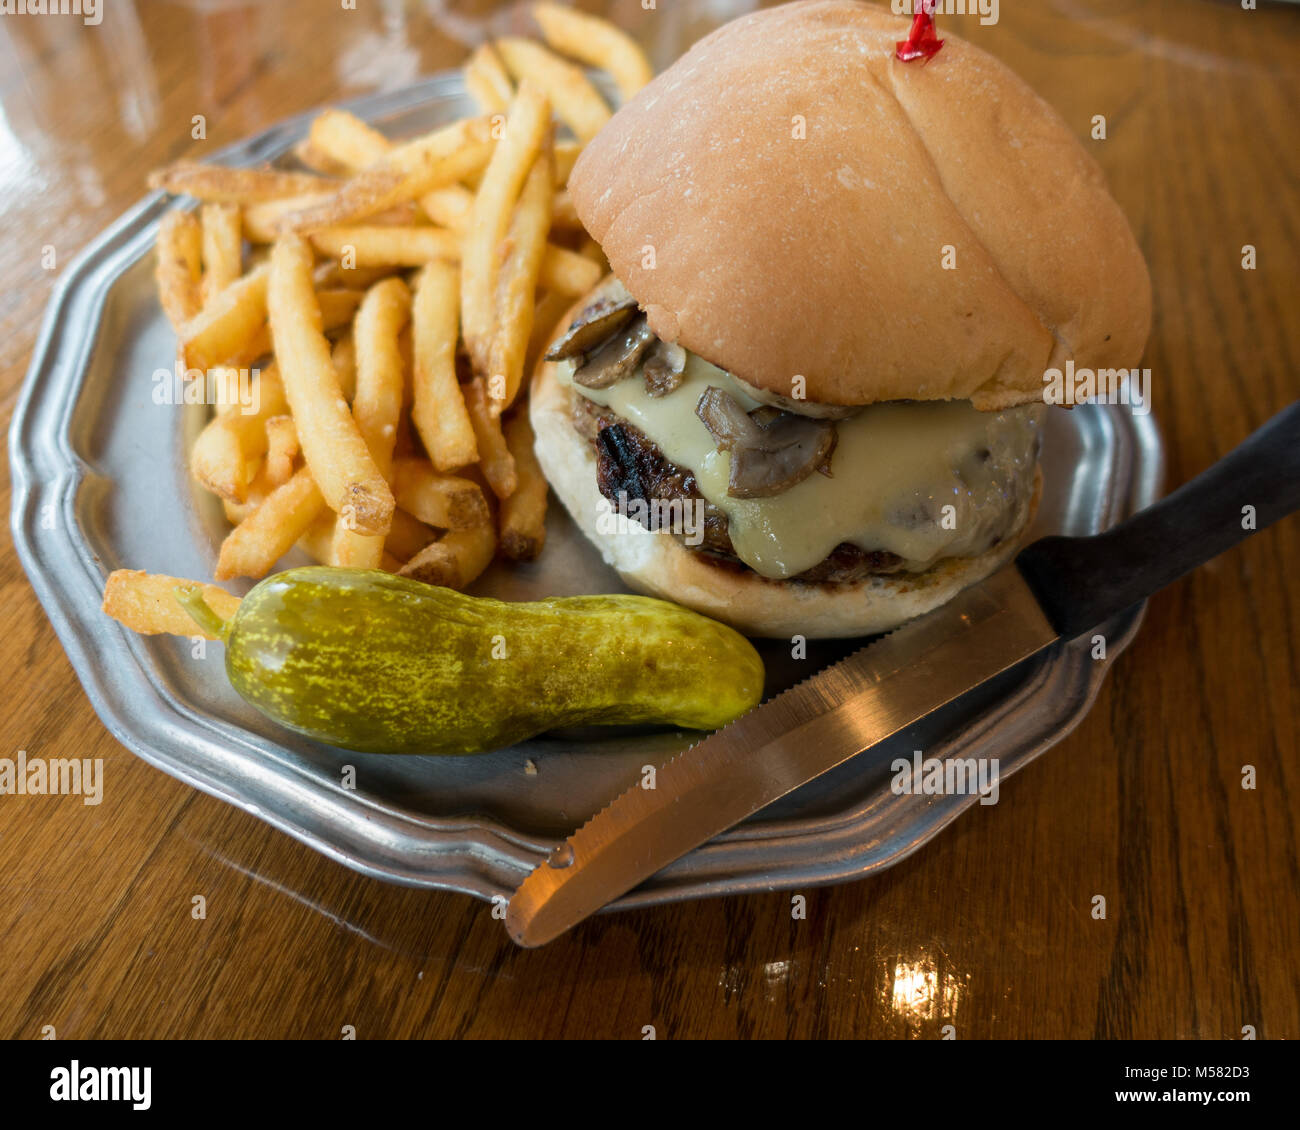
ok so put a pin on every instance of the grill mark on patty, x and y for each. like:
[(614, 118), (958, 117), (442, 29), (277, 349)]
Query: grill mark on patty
[(628, 461)]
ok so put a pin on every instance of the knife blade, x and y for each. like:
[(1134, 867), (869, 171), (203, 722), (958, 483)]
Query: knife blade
[(797, 736), (1057, 587)]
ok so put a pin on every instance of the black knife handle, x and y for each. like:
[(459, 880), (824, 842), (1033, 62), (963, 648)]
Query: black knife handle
[(1082, 581)]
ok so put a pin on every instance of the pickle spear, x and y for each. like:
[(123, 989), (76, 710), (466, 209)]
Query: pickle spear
[(382, 664)]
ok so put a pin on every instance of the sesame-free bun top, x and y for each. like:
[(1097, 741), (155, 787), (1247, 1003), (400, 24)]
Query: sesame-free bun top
[(783, 200)]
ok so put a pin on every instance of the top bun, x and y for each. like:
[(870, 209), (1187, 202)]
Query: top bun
[(781, 198)]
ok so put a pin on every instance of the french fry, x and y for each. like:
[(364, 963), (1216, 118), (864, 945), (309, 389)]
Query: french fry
[(146, 603), (231, 441), (407, 441), (223, 247), (230, 382), (407, 536), (495, 460), (281, 449), (346, 139), (228, 324), (332, 273), (258, 489), (366, 246), (344, 358), (381, 382), (317, 160), (455, 560), (385, 251), (402, 174), (517, 284), (597, 43), (527, 129), (263, 222), (563, 212), (332, 445), (577, 103), (178, 266), (438, 408), (590, 249), (406, 347), (569, 272), (446, 501), (269, 532), (318, 537), (318, 543), (453, 207), (523, 514), (337, 305), (221, 185), (377, 404), (450, 206), (550, 309), (566, 156), (487, 81)]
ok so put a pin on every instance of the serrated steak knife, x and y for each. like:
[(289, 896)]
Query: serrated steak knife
[(1057, 588)]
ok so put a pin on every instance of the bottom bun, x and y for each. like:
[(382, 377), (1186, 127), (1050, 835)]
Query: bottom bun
[(657, 564)]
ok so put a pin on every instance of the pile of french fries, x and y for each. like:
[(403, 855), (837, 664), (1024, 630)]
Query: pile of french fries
[(393, 298)]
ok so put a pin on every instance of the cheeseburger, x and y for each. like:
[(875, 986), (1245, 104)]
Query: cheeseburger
[(809, 397)]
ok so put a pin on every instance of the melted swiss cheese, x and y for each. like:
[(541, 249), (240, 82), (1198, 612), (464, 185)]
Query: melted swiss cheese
[(895, 470)]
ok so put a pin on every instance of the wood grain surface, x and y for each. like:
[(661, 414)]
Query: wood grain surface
[(989, 928)]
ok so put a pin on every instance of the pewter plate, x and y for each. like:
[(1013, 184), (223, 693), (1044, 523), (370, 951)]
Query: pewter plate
[(100, 483)]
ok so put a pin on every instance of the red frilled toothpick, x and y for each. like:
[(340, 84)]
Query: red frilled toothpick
[(921, 42)]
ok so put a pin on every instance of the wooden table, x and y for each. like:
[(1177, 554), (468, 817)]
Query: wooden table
[(989, 928)]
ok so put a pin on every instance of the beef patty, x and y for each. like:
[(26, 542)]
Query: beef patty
[(626, 461)]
